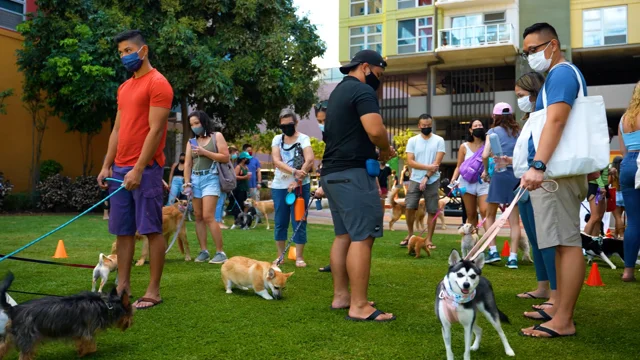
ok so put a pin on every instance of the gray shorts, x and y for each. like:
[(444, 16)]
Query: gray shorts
[(557, 215), (355, 204), (430, 195)]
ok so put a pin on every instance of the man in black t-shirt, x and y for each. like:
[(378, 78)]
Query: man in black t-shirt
[(352, 131)]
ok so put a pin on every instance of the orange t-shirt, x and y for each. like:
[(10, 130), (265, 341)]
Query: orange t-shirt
[(135, 97)]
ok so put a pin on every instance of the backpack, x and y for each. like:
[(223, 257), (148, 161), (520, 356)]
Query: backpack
[(226, 172), (472, 168)]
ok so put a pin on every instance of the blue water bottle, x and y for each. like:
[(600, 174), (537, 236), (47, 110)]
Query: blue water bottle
[(496, 148), (319, 204)]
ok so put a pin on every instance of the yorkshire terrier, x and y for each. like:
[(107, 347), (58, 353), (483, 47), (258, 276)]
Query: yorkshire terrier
[(417, 243), (76, 317)]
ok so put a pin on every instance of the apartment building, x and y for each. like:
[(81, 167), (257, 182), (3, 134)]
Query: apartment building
[(456, 58)]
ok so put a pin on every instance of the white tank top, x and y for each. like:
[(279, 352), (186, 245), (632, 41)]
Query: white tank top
[(469, 153)]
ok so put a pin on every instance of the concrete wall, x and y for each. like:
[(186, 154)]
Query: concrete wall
[(59, 145), (510, 9)]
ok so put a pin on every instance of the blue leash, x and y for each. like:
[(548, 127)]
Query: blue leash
[(65, 224)]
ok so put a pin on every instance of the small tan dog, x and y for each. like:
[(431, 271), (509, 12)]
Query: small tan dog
[(469, 238), (398, 208), (260, 276), (106, 265), (171, 217), (417, 243), (264, 208)]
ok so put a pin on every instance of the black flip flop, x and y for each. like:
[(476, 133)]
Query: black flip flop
[(528, 296), (371, 318), (545, 316), (325, 269), (552, 334), (543, 304)]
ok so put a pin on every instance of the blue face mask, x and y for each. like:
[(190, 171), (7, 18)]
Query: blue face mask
[(234, 156), (132, 62), (197, 130), (321, 127)]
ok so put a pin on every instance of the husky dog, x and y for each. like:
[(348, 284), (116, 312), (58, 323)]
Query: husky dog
[(462, 292), (602, 248)]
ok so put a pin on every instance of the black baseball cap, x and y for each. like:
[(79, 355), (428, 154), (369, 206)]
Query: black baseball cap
[(370, 57)]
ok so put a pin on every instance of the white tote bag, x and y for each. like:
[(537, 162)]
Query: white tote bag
[(638, 173), (584, 145)]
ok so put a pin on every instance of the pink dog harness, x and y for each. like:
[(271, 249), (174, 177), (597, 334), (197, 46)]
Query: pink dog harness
[(452, 300)]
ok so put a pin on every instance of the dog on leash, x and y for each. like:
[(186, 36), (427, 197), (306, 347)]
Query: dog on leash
[(603, 248), (469, 238), (398, 208), (106, 264), (171, 218), (245, 219), (260, 276), (416, 244), (264, 208), (77, 317), (459, 296)]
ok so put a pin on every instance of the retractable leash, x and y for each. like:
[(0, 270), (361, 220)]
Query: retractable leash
[(67, 223), (184, 216), (295, 231), (492, 232)]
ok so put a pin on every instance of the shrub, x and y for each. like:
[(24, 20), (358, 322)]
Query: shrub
[(55, 193), (5, 189), (49, 168), (18, 202), (85, 192), (265, 194)]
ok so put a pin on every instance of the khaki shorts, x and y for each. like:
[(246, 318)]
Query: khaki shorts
[(557, 215), (430, 194)]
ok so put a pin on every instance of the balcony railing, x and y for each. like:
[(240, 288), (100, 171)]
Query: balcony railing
[(476, 36)]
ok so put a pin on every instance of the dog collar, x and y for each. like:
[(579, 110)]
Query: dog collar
[(109, 308), (454, 297)]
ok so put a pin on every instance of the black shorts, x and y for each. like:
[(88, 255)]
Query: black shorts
[(593, 191)]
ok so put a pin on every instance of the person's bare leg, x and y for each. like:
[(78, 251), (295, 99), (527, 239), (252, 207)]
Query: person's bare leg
[(492, 211), (201, 226), (570, 270), (339, 251), (470, 205), (125, 248), (411, 216), (541, 292), (432, 228), (209, 209), (515, 231), (593, 219), (358, 268), (280, 245), (299, 252), (157, 247), (483, 206)]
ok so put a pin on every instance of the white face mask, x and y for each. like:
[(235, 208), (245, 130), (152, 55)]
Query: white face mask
[(524, 104), (538, 62)]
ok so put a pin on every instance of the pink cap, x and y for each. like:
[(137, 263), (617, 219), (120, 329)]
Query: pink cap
[(502, 109)]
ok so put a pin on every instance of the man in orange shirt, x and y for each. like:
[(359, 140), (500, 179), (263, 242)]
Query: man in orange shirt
[(136, 152)]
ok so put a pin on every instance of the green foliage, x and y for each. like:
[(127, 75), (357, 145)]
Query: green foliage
[(18, 202), (318, 148), (3, 95), (401, 141), (55, 193), (49, 168), (5, 188), (260, 142), (85, 192)]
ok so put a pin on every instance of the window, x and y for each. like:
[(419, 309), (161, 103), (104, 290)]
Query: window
[(415, 35), (365, 37), (407, 4), (11, 13), (494, 18), (365, 7), (606, 26)]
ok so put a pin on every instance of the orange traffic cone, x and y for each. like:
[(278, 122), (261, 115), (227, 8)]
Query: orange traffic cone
[(609, 234), (594, 278), (292, 253), (506, 250), (60, 253)]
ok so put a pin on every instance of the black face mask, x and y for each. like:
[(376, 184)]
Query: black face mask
[(288, 129), (479, 133), (372, 80), (426, 131), (181, 161)]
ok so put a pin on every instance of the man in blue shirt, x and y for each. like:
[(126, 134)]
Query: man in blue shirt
[(557, 215), (255, 181)]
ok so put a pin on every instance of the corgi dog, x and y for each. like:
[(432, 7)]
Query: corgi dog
[(261, 276), (106, 264), (417, 243)]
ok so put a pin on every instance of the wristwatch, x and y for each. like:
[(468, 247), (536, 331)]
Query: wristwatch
[(539, 165)]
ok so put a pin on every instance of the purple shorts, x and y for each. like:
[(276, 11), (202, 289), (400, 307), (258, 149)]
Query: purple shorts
[(139, 209)]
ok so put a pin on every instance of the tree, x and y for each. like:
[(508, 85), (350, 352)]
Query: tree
[(69, 56), (318, 148), (3, 95), (33, 102), (401, 141)]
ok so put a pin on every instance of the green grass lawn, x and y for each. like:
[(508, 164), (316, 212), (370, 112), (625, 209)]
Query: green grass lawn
[(198, 320)]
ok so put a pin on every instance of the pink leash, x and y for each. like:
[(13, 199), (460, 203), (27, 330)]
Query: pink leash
[(492, 232)]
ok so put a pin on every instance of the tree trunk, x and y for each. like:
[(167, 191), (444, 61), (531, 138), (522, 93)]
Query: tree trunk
[(186, 127), (85, 147)]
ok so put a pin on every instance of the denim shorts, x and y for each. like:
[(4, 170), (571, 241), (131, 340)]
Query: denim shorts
[(205, 185)]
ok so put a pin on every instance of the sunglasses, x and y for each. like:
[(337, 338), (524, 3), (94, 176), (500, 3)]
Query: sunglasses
[(322, 105)]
